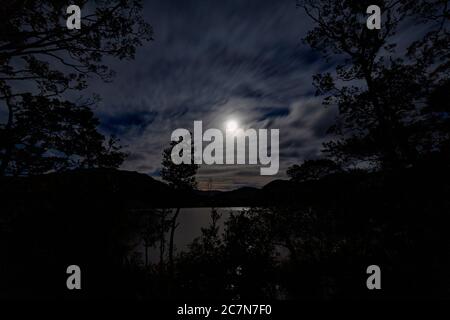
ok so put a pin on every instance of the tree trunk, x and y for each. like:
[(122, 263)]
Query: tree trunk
[(171, 245), (8, 135), (172, 234), (387, 144), (162, 241)]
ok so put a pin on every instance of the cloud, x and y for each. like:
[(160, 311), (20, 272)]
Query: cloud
[(212, 61)]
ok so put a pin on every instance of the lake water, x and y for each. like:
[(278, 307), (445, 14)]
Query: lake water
[(190, 221)]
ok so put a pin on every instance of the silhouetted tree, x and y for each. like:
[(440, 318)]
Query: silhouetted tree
[(210, 240), (202, 269), (312, 170), (250, 255), (181, 177), (163, 227), (40, 59), (378, 90), (49, 134), (240, 263)]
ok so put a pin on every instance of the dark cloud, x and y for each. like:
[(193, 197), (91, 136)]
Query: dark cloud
[(273, 112), (121, 123)]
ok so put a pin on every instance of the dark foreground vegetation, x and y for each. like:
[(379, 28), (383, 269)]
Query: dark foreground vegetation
[(378, 194), (317, 246)]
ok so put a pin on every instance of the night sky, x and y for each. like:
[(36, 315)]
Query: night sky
[(214, 61)]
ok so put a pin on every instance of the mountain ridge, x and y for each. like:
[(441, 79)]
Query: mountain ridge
[(130, 184)]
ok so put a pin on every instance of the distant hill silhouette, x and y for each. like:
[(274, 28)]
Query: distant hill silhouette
[(86, 180), (129, 185), (142, 190), (126, 184)]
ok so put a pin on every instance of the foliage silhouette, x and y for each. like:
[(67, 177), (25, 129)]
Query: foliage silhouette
[(181, 177), (312, 170), (41, 60), (380, 92)]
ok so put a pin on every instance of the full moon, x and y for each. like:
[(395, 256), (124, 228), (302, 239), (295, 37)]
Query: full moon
[(231, 125)]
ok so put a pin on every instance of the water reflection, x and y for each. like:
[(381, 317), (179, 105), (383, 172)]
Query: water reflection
[(190, 221)]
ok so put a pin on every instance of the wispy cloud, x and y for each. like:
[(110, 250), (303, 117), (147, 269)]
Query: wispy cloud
[(211, 61)]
